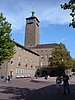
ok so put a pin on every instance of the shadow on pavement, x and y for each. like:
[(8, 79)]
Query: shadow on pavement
[(45, 93)]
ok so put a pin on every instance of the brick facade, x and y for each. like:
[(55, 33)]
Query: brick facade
[(23, 64)]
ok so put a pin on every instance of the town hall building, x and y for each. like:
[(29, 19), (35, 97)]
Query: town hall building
[(32, 40), (30, 57)]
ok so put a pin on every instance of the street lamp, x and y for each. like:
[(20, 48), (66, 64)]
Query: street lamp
[(62, 60), (50, 61), (62, 66)]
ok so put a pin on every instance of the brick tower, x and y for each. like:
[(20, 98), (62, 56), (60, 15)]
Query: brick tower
[(32, 31)]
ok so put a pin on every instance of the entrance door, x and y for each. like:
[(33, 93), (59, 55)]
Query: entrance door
[(10, 74)]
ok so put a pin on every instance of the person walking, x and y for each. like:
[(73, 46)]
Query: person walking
[(8, 79), (58, 83), (66, 84)]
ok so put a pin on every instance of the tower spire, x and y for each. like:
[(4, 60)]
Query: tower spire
[(33, 13)]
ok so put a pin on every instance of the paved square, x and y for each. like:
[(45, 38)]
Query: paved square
[(38, 89)]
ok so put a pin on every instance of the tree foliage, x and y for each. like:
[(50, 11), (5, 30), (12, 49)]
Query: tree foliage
[(6, 44), (73, 63), (70, 5), (61, 57)]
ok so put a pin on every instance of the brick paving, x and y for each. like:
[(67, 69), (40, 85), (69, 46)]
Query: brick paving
[(38, 89)]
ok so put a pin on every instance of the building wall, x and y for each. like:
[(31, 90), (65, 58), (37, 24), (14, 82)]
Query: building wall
[(45, 54), (23, 64)]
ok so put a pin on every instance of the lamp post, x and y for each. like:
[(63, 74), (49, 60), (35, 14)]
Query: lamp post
[(62, 60), (62, 65), (50, 61)]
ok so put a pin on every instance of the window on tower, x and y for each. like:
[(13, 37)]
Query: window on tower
[(30, 21)]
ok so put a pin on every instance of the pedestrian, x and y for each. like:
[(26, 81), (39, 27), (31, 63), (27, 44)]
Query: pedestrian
[(66, 84), (46, 76), (8, 79), (58, 83), (5, 79)]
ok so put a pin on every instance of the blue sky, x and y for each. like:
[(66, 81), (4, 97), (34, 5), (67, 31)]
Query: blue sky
[(53, 21)]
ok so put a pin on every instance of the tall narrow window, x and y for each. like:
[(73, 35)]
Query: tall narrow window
[(11, 62), (19, 64), (19, 57), (41, 64), (26, 65)]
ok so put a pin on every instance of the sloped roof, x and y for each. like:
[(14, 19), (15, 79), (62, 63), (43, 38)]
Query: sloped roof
[(44, 46), (33, 18), (19, 45)]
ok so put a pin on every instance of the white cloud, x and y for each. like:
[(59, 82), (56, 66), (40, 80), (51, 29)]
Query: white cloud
[(55, 16), (48, 11)]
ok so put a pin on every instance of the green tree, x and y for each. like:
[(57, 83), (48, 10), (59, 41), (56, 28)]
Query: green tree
[(61, 57), (6, 44), (73, 64), (70, 5)]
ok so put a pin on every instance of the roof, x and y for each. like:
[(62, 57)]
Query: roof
[(19, 45), (33, 17), (44, 46)]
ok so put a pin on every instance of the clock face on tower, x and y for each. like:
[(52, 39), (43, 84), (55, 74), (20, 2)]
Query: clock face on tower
[(30, 20)]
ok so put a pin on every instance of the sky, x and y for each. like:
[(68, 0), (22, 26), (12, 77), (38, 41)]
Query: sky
[(54, 21)]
